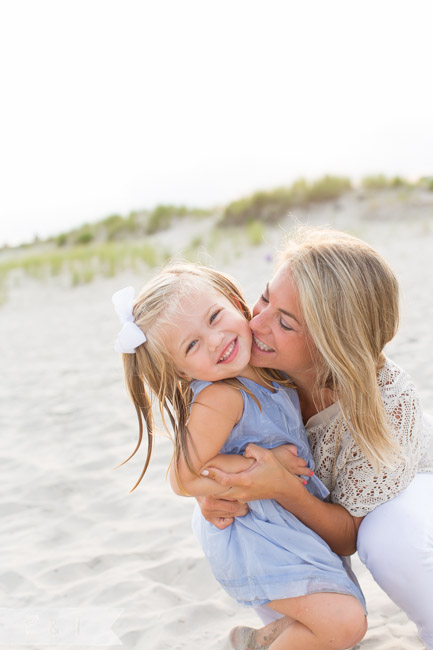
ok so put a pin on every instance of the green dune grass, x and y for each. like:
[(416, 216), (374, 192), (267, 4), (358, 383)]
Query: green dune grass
[(82, 263), (117, 242), (274, 204)]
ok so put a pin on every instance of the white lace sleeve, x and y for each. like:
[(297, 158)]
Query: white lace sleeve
[(358, 486)]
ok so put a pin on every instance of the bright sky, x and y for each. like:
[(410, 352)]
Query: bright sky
[(113, 105)]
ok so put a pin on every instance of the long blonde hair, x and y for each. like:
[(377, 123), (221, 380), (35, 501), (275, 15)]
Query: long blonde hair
[(349, 300), (150, 373)]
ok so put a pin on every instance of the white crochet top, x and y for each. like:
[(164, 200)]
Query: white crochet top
[(344, 469)]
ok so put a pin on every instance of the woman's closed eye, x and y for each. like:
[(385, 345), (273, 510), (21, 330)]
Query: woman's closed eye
[(264, 299), (285, 326)]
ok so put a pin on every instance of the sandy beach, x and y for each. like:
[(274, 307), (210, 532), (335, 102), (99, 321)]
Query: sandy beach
[(72, 536)]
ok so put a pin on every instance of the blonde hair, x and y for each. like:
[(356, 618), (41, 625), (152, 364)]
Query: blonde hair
[(150, 372), (349, 299)]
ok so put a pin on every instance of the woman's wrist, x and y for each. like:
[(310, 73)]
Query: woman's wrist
[(329, 520), (291, 493)]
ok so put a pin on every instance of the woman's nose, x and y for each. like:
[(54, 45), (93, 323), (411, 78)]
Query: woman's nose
[(259, 321)]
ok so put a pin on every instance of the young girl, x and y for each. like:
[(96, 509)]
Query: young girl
[(186, 341)]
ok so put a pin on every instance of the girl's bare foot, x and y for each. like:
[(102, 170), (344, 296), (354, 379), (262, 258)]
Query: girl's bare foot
[(247, 638)]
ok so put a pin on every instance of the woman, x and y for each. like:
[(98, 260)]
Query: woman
[(324, 319)]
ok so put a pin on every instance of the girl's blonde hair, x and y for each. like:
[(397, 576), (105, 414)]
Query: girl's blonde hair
[(349, 299), (150, 372)]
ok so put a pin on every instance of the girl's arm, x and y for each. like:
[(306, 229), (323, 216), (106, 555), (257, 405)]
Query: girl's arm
[(230, 463), (234, 463), (213, 415), (268, 479)]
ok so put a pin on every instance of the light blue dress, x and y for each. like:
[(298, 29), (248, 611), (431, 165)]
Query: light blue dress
[(269, 554)]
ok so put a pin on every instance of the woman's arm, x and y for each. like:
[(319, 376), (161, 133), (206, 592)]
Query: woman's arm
[(220, 511), (268, 479)]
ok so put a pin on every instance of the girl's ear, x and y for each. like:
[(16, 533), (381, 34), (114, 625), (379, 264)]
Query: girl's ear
[(184, 376)]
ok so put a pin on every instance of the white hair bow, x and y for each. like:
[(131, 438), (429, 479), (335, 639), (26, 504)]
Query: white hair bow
[(130, 336)]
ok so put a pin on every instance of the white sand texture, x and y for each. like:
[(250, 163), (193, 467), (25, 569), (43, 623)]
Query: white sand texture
[(71, 534)]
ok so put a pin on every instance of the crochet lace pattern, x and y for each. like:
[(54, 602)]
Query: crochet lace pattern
[(340, 463)]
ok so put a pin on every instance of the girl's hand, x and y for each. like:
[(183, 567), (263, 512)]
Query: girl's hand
[(267, 478), (288, 457), (221, 512)]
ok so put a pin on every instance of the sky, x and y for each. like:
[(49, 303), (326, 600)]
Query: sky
[(110, 106)]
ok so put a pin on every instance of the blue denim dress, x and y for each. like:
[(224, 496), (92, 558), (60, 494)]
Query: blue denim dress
[(269, 554)]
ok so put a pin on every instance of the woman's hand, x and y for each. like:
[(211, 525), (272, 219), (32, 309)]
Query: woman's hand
[(267, 478), (221, 512), (288, 457)]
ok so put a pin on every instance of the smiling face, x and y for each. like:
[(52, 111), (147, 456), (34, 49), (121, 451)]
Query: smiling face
[(208, 337), (280, 337)]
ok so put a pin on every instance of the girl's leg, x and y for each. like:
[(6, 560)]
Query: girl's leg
[(267, 614), (248, 638), (395, 542), (322, 620)]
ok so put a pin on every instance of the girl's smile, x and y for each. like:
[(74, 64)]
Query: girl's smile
[(209, 338), (230, 352)]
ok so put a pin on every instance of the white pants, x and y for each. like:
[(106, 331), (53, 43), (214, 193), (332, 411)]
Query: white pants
[(395, 542)]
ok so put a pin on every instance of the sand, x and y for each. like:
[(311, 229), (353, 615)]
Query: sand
[(72, 536)]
